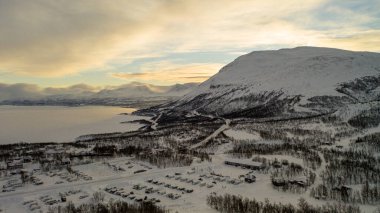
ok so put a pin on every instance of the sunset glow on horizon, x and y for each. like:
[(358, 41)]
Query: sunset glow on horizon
[(101, 43)]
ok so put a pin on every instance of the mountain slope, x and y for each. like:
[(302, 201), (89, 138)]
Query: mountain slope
[(302, 81)]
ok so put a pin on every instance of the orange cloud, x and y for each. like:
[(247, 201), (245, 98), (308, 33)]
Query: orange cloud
[(169, 73), (368, 40), (56, 38)]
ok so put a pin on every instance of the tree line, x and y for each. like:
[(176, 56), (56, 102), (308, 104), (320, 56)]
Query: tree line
[(97, 205), (231, 203)]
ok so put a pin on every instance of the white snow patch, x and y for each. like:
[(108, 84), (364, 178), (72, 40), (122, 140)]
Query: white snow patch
[(242, 135)]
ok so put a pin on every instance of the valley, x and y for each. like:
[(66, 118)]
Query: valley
[(305, 139)]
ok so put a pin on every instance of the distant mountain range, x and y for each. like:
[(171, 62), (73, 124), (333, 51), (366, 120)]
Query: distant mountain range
[(286, 83), (82, 94)]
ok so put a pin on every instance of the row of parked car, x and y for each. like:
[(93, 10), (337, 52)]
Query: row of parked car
[(198, 181), (11, 185), (221, 178), (145, 166), (48, 200), (130, 195), (170, 186), (36, 180), (150, 190), (70, 192), (68, 177), (82, 175), (32, 205), (74, 176), (116, 167)]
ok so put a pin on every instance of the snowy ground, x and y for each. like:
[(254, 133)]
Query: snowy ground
[(241, 135), (198, 178), (104, 175)]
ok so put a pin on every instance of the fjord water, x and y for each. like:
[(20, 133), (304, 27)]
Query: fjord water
[(59, 123)]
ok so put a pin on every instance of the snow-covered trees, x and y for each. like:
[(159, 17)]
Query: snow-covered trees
[(110, 207), (232, 203)]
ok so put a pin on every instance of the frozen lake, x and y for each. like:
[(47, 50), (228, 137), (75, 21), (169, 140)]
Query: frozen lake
[(59, 123)]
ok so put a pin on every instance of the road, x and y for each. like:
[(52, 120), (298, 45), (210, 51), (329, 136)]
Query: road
[(318, 178), (225, 126), (154, 122)]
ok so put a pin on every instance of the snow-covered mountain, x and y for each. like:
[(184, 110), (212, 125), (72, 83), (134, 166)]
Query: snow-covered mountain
[(137, 89), (286, 82), (85, 94)]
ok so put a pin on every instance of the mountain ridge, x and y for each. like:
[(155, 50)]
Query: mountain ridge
[(302, 81), (9, 92)]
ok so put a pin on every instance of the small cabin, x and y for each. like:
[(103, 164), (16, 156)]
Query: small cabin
[(66, 161), (279, 182), (15, 164), (327, 143), (27, 159), (277, 164), (246, 164), (250, 178), (342, 188)]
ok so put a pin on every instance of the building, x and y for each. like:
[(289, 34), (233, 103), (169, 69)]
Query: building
[(65, 161), (245, 163), (53, 153), (250, 178), (279, 182), (15, 164), (27, 159), (342, 188)]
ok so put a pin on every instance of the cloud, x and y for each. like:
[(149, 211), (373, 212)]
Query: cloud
[(165, 72), (78, 89), (20, 91), (225, 25), (367, 40), (56, 38)]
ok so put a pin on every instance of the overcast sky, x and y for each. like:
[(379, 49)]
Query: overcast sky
[(57, 43)]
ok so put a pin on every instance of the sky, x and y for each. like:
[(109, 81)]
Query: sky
[(59, 43)]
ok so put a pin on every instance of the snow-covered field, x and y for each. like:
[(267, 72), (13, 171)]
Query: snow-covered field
[(198, 177), (241, 135)]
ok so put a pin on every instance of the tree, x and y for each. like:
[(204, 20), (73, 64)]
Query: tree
[(98, 197)]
